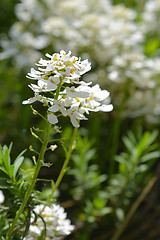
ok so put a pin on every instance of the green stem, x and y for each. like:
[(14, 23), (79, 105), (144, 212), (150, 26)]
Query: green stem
[(58, 88), (30, 188), (64, 167)]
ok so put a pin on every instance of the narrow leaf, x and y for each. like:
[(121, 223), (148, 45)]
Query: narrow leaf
[(6, 158), (17, 164), (150, 156), (11, 171)]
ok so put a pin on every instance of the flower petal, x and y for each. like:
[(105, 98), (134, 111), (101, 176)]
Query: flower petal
[(52, 118)]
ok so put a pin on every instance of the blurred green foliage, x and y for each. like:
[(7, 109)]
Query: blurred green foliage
[(7, 16)]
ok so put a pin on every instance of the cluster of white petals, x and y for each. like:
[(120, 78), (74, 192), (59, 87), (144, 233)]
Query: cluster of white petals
[(2, 197), (151, 17), (138, 76), (60, 76), (56, 224), (108, 34)]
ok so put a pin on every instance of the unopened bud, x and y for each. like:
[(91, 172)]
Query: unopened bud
[(57, 129), (53, 147), (35, 112), (30, 148)]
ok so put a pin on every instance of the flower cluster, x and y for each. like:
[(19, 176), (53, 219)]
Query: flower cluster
[(150, 17), (56, 224), (99, 27), (60, 76), (138, 76), (109, 34)]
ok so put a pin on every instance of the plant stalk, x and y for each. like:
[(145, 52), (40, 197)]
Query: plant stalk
[(65, 164), (30, 188)]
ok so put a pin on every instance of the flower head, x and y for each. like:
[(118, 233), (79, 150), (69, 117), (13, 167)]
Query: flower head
[(55, 220), (60, 77), (60, 65)]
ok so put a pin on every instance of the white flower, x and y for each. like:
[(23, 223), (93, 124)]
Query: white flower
[(58, 105), (57, 77), (56, 223), (52, 118), (45, 85), (2, 197), (33, 99), (78, 92), (60, 65), (150, 17), (75, 114)]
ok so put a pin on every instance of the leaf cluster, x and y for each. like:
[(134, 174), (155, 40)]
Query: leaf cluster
[(13, 184), (11, 174), (134, 166), (88, 181)]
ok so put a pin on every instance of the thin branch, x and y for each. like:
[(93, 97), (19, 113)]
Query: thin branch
[(134, 207), (36, 136)]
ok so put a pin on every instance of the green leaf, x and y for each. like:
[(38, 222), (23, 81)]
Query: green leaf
[(150, 156), (147, 139), (10, 147), (152, 137), (11, 171), (20, 155), (142, 168), (17, 164), (132, 138), (143, 144), (151, 46), (28, 174), (1, 154), (105, 210), (99, 203), (128, 144), (6, 158), (3, 170), (122, 168)]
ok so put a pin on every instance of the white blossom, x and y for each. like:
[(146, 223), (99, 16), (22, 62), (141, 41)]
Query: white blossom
[(100, 27), (33, 99), (150, 17), (57, 226), (74, 102)]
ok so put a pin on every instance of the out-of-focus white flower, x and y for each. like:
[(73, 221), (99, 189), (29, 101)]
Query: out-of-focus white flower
[(102, 28), (2, 197), (150, 17), (138, 77), (58, 73), (57, 226)]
